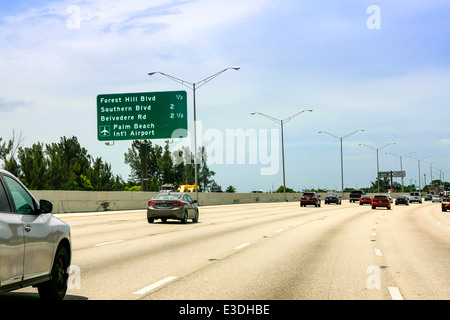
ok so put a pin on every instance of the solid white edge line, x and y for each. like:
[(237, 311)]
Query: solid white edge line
[(154, 285), (241, 246), (106, 243), (395, 293)]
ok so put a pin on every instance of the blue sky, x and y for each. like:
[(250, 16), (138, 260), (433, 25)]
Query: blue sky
[(393, 82)]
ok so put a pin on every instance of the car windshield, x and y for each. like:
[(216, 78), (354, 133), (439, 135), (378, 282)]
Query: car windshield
[(167, 196), (380, 197)]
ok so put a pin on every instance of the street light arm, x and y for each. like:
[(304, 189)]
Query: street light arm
[(204, 81), (409, 153), (393, 154), (183, 82), (191, 85), (265, 115), (333, 135), (387, 145), (293, 116), (363, 144), (416, 158), (352, 133)]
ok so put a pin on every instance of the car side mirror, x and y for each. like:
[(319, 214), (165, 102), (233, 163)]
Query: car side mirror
[(46, 206), (194, 201)]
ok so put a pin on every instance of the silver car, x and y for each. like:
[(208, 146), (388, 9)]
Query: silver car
[(436, 199), (172, 205), (35, 247)]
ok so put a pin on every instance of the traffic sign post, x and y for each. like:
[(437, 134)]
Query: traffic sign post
[(142, 116)]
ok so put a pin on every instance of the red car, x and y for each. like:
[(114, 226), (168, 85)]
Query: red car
[(365, 199), (381, 201), (310, 198)]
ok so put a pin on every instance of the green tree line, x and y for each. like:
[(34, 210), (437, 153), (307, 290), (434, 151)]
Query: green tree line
[(164, 166), (66, 165)]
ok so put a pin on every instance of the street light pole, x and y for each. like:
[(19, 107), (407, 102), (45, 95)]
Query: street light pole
[(378, 165), (418, 164), (281, 123), (193, 86), (342, 156), (401, 165)]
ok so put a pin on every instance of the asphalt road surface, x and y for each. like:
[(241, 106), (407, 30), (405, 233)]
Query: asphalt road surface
[(275, 251)]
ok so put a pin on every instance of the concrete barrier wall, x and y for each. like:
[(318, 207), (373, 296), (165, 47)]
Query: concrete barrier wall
[(95, 201)]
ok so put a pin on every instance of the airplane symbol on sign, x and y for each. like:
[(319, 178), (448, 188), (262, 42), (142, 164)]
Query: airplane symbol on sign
[(105, 131)]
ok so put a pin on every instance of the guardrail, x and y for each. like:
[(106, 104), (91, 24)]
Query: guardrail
[(96, 201)]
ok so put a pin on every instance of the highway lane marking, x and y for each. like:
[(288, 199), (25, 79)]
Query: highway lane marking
[(395, 293), (378, 252), (155, 285), (242, 246), (97, 225), (107, 243), (279, 230)]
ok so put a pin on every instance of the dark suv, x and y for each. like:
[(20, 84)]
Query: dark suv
[(310, 198), (355, 195), (35, 247)]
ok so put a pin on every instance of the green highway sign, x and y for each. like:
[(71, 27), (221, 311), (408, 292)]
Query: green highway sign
[(141, 116)]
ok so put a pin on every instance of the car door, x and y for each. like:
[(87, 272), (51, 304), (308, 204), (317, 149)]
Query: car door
[(38, 240), (190, 206), (11, 242)]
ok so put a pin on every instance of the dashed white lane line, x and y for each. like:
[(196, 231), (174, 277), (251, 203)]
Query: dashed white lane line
[(279, 230), (242, 246), (378, 252), (154, 285), (395, 293), (107, 243)]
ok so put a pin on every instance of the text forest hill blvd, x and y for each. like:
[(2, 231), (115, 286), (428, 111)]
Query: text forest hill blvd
[(138, 116)]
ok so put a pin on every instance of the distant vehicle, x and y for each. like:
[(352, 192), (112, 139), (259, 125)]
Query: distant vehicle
[(355, 195), (381, 201), (168, 187), (415, 197), (428, 197), (333, 198), (436, 199), (187, 188), (390, 198), (310, 198), (216, 189), (402, 200), (35, 246), (172, 205), (365, 199), (445, 204)]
